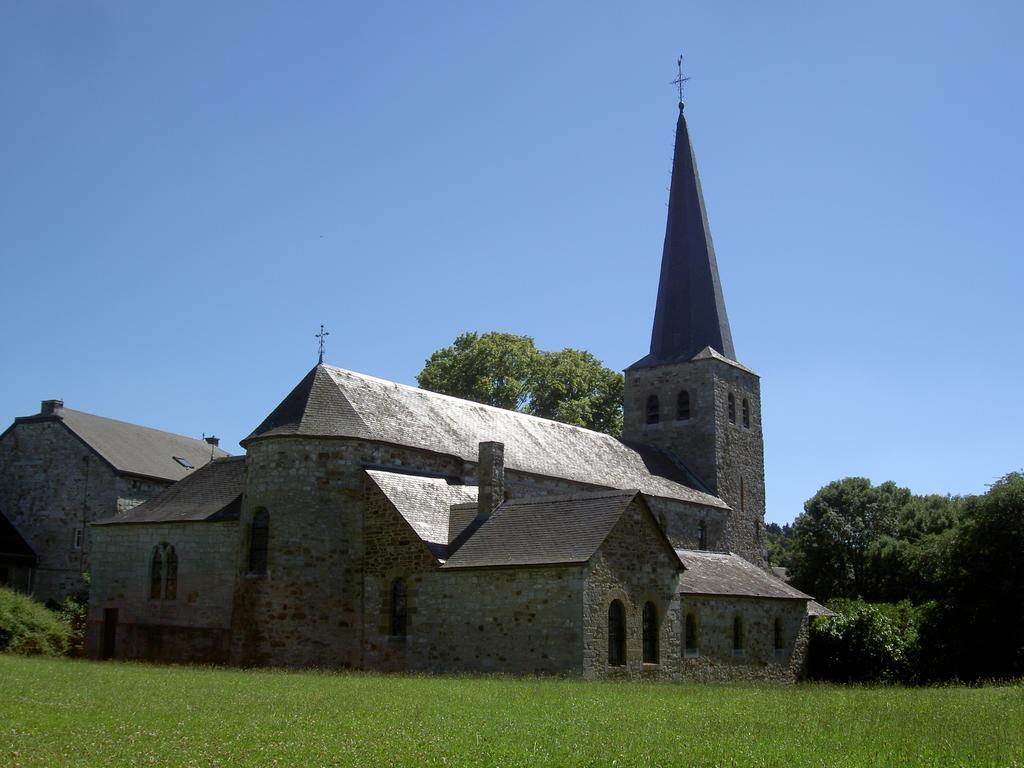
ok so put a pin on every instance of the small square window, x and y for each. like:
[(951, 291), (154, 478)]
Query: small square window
[(77, 541)]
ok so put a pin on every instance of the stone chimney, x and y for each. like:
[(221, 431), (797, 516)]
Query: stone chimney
[(490, 471), (50, 407), (214, 441)]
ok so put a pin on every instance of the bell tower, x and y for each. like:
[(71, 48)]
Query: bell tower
[(690, 396)]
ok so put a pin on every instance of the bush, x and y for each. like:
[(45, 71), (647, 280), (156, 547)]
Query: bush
[(864, 643), (29, 627)]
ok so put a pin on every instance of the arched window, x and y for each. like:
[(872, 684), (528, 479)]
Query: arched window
[(683, 405), (780, 643), (650, 633), (690, 639), (732, 408), (702, 531), (259, 538), (746, 413), (737, 636), (616, 634), (171, 584), (399, 609), (156, 575), (652, 410)]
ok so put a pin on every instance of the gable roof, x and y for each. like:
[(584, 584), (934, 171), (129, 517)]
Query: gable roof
[(133, 449), (14, 550), (212, 493), (425, 503), (723, 573), (547, 530), (332, 402)]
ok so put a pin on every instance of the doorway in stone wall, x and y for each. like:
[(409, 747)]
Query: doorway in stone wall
[(109, 632)]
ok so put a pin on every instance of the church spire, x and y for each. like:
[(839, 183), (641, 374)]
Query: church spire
[(690, 313)]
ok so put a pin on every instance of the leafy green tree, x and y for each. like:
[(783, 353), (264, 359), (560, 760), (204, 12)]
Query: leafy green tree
[(832, 536), (977, 631), (508, 371), (493, 368), (780, 538)]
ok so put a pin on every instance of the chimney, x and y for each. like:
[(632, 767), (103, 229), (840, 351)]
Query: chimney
[(50, 407), (214, 441), (490, 471)]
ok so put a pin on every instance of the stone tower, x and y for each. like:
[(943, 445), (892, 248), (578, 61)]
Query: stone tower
[(690, 396)]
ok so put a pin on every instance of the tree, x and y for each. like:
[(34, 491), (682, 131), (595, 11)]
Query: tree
[(832, 536), (977, 632), (508, 371)]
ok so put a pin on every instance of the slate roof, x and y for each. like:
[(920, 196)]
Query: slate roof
[(132, 449), (425, 503), (721, 573), (14, 550), (212, 493), (814, 608), (547, 530), (332, 402), (690, 313)]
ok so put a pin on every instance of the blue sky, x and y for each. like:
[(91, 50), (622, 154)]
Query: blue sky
[(187, 190)]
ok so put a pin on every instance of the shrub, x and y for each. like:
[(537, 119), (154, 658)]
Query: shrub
[(864, 643), (29, 627)]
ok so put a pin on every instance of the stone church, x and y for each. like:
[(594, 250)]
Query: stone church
[(379, 526)]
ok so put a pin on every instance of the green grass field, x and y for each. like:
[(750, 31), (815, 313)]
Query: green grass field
[(63, 712)]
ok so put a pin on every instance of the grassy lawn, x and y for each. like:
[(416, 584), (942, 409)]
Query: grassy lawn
[(62, 712)]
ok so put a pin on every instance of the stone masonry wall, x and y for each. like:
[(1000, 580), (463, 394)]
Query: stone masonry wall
[(634, 565), (195, 625), (715, 658), (51, 485), (728, 457)]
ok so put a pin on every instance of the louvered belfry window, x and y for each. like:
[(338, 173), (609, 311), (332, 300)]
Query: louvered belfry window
[(683, 406), (746, 413), (653, 414), (732, 408)]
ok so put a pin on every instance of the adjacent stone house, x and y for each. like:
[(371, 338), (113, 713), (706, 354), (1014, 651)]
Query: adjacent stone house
[(379, 526), (60, 470)]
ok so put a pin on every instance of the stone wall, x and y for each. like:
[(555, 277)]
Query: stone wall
[(715, 658), (634, 565), (194, 626), (52, 485), (728, 457)]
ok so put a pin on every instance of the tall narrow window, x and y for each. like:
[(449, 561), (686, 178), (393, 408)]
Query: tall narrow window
[(683, 405), (399, 609), (259, 538), (156, 575), (732, 408), (779, 638), (652, 410), (702, 531), (171, 584), (78, 538), (616, 634), (690, 643), (650, 633), (737, 636), (746, 413)]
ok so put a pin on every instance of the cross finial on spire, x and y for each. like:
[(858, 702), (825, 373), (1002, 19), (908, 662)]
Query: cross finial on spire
[(680, 80), (322, 336)]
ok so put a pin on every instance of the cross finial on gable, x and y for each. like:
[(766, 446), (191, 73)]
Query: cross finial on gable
[(322, 336), (680, 80)]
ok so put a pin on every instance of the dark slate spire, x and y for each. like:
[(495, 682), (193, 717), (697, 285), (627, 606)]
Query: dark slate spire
[(691, 311)]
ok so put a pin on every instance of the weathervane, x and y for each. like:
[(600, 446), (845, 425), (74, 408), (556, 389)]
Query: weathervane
[(680, 79), (322, 336)]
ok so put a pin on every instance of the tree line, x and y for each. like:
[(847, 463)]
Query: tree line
[(927, 587)]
